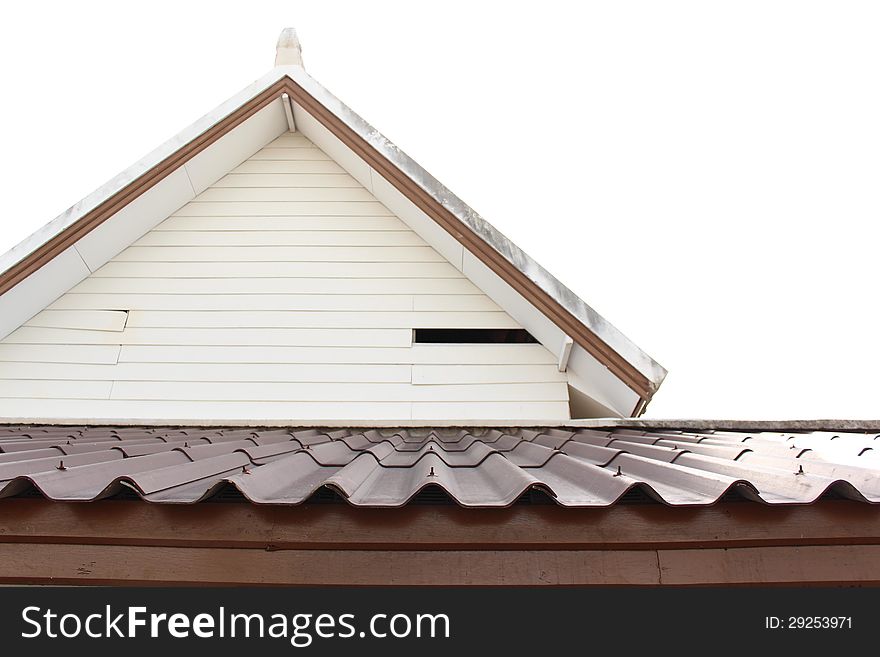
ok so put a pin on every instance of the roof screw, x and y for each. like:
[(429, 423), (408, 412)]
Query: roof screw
[(244, 470), (308, 446), (431, 447), (619, 473), (793, 446), (61, 466), (431, 473), (800, 470)]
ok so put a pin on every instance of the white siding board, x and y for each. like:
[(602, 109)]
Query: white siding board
[(187, 412), (528, 411), (310, 319), (278, 254), (254, 180), (291, 140), (218, 336), (92, 320), (271, 194), (295, 270), (284, 209), (220, 285), (55, 353), (482, 354), (289, 166), (438, 354), (281, 238), (319, 392), (54, 389), (454, 302), (305, 223), (466, 374), (212, 372), (251, 302), (285, 153), (507, 354)]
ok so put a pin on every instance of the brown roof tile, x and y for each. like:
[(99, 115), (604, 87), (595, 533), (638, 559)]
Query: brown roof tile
[(476, 468)]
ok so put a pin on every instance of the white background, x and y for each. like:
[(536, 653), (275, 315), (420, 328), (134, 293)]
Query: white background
[(704, 174)]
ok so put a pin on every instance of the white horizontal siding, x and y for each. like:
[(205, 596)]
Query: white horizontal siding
[(497, 354), (326, 337), (282, 223), (59, 353), (300, 392), (281, 238), (268, 302), (287, 411), (279, 254), (269, 194), (290, 285), (89, 320), (309, 319), (244, 270), (212, 372), (285, 291), (285, 209)]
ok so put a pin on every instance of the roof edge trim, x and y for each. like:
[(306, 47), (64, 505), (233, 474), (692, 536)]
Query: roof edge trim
[(782, 426)]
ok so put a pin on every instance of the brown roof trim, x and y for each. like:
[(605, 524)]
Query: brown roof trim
[(125, 543), (580, 333), (508, 272), (126, 565)]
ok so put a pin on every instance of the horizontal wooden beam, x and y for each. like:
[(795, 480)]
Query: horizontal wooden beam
[(812, 564), (25, 563), (117, 564), (428, 527)]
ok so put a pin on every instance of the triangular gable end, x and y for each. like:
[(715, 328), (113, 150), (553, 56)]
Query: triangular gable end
[(585, 352), (283, 290)]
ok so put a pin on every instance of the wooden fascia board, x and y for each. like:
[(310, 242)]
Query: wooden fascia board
[(118, 542), (443, 527)]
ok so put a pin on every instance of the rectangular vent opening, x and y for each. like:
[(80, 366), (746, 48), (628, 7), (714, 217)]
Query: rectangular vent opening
[(471, 336)]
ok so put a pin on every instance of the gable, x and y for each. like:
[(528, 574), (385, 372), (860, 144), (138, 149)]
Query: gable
[(607, 374), (283, 291)]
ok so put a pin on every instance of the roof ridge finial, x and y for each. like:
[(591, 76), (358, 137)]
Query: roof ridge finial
[(288, 52)]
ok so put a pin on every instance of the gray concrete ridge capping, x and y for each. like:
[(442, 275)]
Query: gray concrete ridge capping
[(290, 64)]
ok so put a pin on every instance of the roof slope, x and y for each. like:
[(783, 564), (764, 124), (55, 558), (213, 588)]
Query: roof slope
[(492, 250), (475, 467)]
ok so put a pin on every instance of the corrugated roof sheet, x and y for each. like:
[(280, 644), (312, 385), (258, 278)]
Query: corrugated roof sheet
[(479, 467)]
